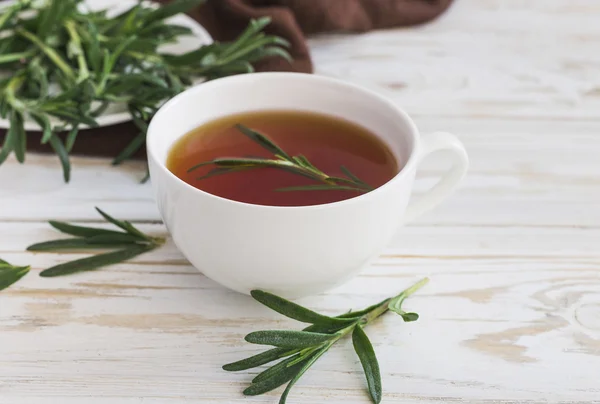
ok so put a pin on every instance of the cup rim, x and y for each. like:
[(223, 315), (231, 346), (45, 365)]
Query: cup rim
[(192, 91)]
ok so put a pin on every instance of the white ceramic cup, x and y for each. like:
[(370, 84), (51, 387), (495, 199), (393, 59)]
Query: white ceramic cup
[(291, 251)]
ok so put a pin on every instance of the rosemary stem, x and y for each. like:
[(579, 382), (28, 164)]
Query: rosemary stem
[(379, 310)]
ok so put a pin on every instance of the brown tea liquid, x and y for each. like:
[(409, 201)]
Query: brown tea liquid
[(326, 141)]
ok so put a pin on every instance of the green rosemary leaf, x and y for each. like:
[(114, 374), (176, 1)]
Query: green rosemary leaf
[(244, 162), (74, 244), (10, 274), (131, 148), (115, 238), (44, 124), (50, 16), (293, 310), (353, 177), (190, 57), (71, 137), (287, 339), (63, 155), (171, 9), (303, 161), (118, 51), (211, 65), (95, 262), (125, 225), (360, 313), (93, 52), (250, 32), (7, 15), (279, 377), (146, 177), (263, 141), (129, 82), (305, 367), (8, 145), (395, 304), (410, 317), (258, 360), (197, 166), (81, 231), (278, 367), (270, 52), (366, 354), (58, 244)]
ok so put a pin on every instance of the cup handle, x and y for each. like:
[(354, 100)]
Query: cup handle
[(460, 163)]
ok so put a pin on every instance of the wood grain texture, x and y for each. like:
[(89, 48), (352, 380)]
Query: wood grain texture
[(512, 313)]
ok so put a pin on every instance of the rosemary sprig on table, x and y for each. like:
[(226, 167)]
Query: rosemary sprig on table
[(10, 274), (298, 165), (301, 349), (125, 244), (63, 66)]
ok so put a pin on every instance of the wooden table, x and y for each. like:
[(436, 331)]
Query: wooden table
[(512, 313)]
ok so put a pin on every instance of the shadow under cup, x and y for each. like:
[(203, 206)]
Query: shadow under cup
[(291, 251)]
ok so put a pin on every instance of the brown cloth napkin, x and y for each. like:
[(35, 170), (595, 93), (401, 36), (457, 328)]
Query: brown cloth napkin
[(291, 19)]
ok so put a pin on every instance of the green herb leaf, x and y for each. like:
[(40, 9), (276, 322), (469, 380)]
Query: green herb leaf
[(70, 244), (44, 123), (8, 146), (263, 141), (305, 366), (95, 262), (10, 274), (353, 177), (282, 365), (258, 360), (71, 137), (275, 379), (287, 339), (125, 225), (63, 155), (293, 310), (81, 231), (367, 357), (131, 148), (409, 317)]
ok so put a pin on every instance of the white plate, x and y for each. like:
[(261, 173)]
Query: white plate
[(117, 113)]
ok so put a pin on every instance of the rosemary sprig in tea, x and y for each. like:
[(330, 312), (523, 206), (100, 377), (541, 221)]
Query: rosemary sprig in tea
[(125, 244), (63, 65), (299, 350), (10, 274), (299, 165)]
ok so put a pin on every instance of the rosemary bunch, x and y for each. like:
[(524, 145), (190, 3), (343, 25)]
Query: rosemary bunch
[(281, 160), (299, 350), (125, 244), (63, 66)]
